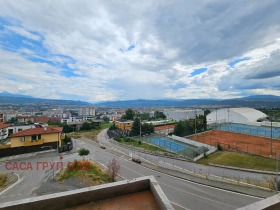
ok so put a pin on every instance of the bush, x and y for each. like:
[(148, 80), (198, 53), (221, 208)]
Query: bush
[(3, 179), (126, 139), (83, 152), (139, 142), (117, 138), (219, 147)]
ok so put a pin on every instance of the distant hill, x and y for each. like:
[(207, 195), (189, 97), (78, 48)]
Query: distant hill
[(257, 101), (7, 98)]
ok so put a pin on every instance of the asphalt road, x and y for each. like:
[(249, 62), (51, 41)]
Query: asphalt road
[(222, 172), (180, 192)]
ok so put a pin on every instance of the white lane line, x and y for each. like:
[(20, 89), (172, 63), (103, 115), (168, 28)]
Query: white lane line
[(176, 204), (195, 183), (184, 191), (198, 195)]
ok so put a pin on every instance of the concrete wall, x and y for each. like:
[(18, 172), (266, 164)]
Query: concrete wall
[(91, 194), (271, 203)]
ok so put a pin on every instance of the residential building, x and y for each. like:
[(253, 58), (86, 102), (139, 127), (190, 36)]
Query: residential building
[(86, 111), (124, 125), (1, 117), (36, 136), (165, 129), (182, 114), (3, 130)]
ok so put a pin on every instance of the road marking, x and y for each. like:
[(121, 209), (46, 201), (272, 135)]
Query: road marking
[(176, 204), (195, 183), (198, 195)]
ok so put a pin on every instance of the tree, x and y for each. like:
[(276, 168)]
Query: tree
[(106, 119), (184, 128), (66, 128), (147, 128), (113, 169), (86, 126), (159, 115), (135, 130), (129, 114), (83, 152)]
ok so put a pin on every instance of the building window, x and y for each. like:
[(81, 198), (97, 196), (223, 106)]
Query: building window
[(34, 138), (22, 138), (19, 129), (39, 136)]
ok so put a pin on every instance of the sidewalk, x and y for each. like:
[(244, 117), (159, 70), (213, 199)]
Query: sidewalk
[(34, 154)]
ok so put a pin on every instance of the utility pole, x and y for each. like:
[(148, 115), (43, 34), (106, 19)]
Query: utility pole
[(195, 124), (277, 158), (140, 126), (270, 135)]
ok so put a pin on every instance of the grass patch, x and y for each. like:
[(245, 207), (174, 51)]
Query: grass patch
[(240, 160), (143, 145), (3, 179), (92, 134), (87, 171)]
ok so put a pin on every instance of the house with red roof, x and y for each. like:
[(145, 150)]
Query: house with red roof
[(37, 136)]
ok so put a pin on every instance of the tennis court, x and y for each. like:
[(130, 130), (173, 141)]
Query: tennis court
[(251, 130), (172, 145)]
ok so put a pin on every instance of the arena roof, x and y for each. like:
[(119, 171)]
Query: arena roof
[(251, 114)]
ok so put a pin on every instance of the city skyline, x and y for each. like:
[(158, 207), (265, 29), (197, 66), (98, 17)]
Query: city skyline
[(115, 50)]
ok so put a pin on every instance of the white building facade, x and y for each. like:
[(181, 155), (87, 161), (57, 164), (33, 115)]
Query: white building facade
[(182, 114)]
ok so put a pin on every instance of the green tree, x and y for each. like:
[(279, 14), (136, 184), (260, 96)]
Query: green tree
[(159, 115), (184, 128), (83, 152), (135, 130), (106, 119), (66, 128), (86, 126), (129, 114), (147, 128)]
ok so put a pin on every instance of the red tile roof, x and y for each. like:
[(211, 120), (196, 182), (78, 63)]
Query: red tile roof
[(164, 127), (36, 131), (3, 125)]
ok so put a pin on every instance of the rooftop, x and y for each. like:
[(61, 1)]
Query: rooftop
[(140, 193), (3, 125), (36, 131)]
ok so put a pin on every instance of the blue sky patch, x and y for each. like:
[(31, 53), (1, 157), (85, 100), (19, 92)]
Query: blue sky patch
[(32, 49), (198, 71), (232, 63)]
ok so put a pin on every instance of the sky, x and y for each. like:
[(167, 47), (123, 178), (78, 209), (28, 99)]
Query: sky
[(142, 49)]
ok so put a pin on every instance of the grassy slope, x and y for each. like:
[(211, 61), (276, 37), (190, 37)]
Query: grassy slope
[(240, 160)]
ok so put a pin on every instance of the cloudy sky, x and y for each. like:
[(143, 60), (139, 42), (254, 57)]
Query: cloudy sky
[(117, 50)]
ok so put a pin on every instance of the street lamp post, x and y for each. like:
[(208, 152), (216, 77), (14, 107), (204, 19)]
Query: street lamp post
[(52, 158), (270, 135), (277, 158), (140, 127), (195, 124)]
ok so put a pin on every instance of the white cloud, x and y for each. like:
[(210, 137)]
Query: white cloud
[(90, 39)]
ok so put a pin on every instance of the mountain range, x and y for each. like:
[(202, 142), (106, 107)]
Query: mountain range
[(8, 98), (257, 101)]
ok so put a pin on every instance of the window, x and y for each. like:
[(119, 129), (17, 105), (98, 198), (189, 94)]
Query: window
[(19, 129), (22, 138), (34, 138), (39, 136)]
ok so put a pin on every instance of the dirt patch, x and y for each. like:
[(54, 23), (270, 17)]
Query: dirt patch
[(6, 180), (236, 141)]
